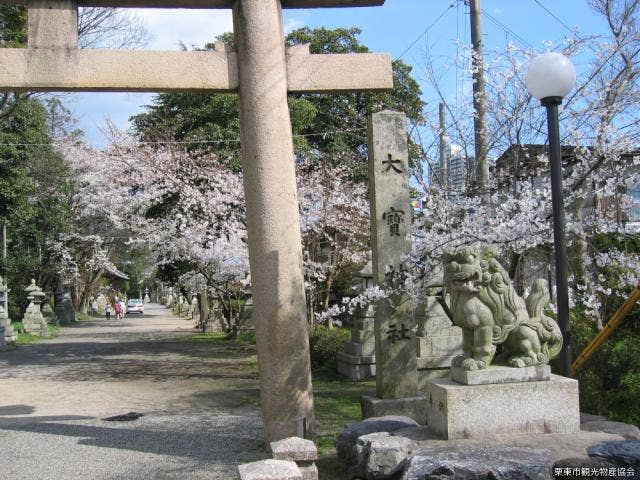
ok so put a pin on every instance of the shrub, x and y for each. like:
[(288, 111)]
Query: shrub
[(325, 344), (610, 380)]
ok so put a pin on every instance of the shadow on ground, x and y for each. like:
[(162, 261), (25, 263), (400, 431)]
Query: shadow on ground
[(199, 442)]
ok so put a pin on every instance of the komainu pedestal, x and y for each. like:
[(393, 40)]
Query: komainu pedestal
[(455, 410)]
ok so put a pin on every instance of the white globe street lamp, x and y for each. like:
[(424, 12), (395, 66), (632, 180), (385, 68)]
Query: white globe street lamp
[(550, 77)]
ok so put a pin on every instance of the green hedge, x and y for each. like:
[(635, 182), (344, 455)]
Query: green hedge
[(325, 344)]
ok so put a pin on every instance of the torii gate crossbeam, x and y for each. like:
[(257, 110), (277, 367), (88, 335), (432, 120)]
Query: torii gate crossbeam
[(263, 72)]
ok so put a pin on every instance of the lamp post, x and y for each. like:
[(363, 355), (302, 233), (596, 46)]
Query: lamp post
[(550, 77)]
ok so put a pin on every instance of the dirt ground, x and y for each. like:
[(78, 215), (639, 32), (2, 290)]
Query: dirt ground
[(199, 401)]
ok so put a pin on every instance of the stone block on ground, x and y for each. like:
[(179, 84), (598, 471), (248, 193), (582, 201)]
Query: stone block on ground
[(294, 449), (489, 463), (299, 450), (269, 470), (347, 439), (625, 453), (588, 417), (500, 374), (470, 411), (356, 367), (309, 472), (412, 407), (380, 455), (630, 432), (358, 371), (388, 447)]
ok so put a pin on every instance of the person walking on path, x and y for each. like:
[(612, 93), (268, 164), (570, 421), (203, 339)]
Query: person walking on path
[(118, 308), (107, 311), (123, 309)]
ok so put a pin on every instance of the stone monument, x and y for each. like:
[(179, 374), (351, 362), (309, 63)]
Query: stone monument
[(10, 335), (263, 71), (395, 321), (102, 302), (245, 322), (357, 360), (47, 311), (514, 392), (439, 341), (193, 306), (170, 300), (33, 322)]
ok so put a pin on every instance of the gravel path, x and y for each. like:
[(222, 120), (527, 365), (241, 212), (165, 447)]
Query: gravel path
[(199, 400)]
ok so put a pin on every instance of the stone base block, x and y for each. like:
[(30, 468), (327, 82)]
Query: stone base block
[(10, 335), (309, 472), (499, 374), (361, 349), (363, 336), (435, 362), (269, 470), (36, 329), (357, 371), (445, 342), (428, 374), (474, 411), (412, 407), (364, 323)]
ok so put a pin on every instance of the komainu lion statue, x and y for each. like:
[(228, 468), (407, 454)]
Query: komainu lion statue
[(485, 305)]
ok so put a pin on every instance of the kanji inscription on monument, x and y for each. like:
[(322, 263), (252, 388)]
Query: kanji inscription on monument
[(395, 323), (262, 71)]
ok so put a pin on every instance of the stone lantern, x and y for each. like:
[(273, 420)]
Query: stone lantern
[(366, 274), (7, 332), (33, 320)]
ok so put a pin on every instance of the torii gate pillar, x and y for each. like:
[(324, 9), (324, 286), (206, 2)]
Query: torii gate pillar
[(273, 226)]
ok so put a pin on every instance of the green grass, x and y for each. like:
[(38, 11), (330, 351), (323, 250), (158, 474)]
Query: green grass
[(251, 364), (337, 403), (85, 317), (216, 337), (27, 338)]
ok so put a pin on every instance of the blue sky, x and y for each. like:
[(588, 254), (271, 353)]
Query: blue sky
[(398, 27)]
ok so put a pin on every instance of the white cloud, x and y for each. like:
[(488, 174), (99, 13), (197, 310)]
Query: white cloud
[(169, 28), (292, 24)]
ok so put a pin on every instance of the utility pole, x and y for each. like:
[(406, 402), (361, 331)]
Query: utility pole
[(444, 167), (479, 99)]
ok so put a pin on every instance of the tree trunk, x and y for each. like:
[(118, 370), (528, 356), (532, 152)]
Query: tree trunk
[(329, 320), (203, 308)]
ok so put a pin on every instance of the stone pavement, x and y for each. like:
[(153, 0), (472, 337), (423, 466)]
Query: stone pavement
[(200, 403)]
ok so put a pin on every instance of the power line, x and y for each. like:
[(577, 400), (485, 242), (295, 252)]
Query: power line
[(554, 16), (559, 20), (431, 25), (498, 23)]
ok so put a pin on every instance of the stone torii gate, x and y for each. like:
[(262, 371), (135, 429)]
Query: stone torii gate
[(263, 71)]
